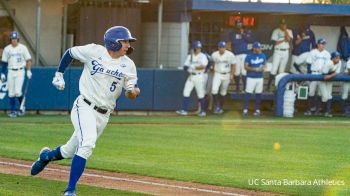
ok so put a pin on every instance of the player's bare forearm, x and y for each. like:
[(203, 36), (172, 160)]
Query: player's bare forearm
[(233, 67), (132, 94), (200, 67), (29, 64), (329, 76)]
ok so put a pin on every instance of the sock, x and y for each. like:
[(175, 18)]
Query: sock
[(20, 99), (310, 103), (271, 78), (318, 102), (12, 104), (185, 102), (76, 170), (246, 101), (244, 79), (344, 105), (257, 101), (236, 78), (202, 104), (54, 155), (215, 98), (222, 100), (328, 106)]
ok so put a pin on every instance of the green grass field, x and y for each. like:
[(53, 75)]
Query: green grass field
[(13, 185), (221, 150)]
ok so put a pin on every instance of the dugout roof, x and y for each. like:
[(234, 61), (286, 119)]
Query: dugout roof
[(285, 8)]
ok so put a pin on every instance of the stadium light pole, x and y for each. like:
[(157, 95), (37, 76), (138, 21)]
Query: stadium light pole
[(37, 33), (159, 40)]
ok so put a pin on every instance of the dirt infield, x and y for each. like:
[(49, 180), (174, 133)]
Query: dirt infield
[(123, 181)]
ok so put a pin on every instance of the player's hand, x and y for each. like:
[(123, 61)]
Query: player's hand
[(3, 77), (58, 81), (132, 93), (29, 74), (327, 77)]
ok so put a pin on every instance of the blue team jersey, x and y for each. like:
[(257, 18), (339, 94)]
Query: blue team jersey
[(308, 42), (240, 41), (255, 60)]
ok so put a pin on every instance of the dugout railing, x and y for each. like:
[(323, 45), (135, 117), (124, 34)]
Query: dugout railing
[(279, 97)]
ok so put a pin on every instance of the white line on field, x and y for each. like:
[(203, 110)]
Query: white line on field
[(131, 180)]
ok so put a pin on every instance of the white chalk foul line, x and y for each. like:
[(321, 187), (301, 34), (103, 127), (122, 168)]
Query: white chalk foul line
[(131, 180)]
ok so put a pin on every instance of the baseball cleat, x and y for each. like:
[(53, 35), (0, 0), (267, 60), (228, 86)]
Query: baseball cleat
[(182, 112), (257, 113), (245, 113), (69, 193), (217, 111), (21, 112), (221, 111), (328, 114), (40, 164), (308, 113), (12, 114), (202, 114)]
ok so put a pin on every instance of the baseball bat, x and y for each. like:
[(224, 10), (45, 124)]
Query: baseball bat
[(22, 107)]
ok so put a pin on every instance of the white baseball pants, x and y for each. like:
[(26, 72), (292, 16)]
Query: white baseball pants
[(195, 81), (15, 81), (239, 68), (254, 85), (279, 61), (345, 90), (220, 81)]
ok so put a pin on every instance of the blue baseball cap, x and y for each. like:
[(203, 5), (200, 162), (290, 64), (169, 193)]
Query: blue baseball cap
[(196, 44), (14, 35), (335, 54), (222, 44), (257, 45), (321, 41)]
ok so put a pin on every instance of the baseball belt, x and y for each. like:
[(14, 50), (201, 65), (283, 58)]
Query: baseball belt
[(98, 109), (16, 69)]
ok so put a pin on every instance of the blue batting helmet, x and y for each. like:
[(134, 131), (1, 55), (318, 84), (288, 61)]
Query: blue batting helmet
[(257, 45), (196, 44), (222, 44), (14, 35), (335, 54), (321, 41), (114, 35)]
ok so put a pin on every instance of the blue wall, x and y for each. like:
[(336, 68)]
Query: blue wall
[(160, 90)]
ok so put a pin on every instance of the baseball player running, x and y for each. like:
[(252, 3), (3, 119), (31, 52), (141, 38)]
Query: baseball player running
[(304, 41), (345, 92), (255, 65), (224, 66), (16, 58), (195, 65), (330, 70), (317, 59), (107, 70), (239, 40), (281, 37)]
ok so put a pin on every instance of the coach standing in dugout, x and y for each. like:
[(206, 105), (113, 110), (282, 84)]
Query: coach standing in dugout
[(239, 39), (303, 42), (255, 64), (16, 57), (281, 37)]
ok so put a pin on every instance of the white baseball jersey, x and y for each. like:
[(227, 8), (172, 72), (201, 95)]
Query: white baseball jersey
[(16, 57), (318, 60), (103, 77), (193, 61), (329, 67), (223, 62), (279, 35)]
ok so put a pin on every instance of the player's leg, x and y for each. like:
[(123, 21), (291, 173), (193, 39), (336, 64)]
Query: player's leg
[(328, 87), (294, 65), (344, 98), (215, 91), (258, 91), (189, 85), (284, 61), (200, 90), (318, 98), (84, 121), (248, 92), (223, 92), (311, 98), (238, 70), (244, 72), (11, 76), (18, 87), (276, 59)]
